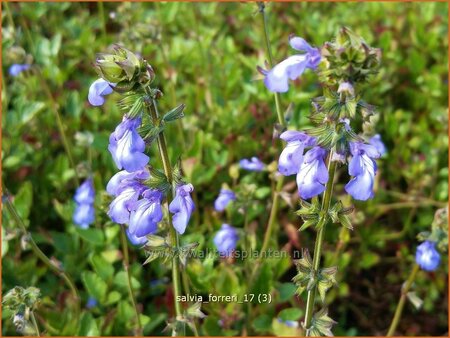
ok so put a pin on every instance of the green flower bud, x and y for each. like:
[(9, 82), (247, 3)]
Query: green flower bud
[(348, 58), (124, 68), (121, 66)]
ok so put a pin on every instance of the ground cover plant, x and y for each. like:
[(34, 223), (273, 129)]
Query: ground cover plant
[(149, 153)]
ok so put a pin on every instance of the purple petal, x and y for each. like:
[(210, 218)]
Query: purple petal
[(136, 240), (97, 90), (84, 215), (300, 44), (85, 193), (361, 187), (276, 79), (226, 239), (182, 207), (291, 158), (145, 218), (119, 210), (224, 198)]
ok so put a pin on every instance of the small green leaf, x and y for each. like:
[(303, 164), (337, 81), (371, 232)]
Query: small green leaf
[(175, 113), (95, 236), (290, 314), (95, 286), (101, 267), (88, 326), (121, 280)]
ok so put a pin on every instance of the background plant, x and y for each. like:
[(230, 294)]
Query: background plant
[(214, 48)]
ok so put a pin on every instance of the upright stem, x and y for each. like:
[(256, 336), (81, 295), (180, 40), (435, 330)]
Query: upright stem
[(126, 265), (36, 327), (101, 13), (262, 6), (9, 16), (13, 212), (162, 146), (319, 241), (65, 141), (401, 302), (281, 121)]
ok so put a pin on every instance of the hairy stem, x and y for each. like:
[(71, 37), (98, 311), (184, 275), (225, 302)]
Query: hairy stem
[(311, 298), (162, 147), (126, 265), (57, 270), (401, 302)]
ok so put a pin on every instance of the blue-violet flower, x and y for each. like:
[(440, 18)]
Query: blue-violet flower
[(254, 164), (313, 174), (182, 207), (121, 206), (224, 198), (127, 146), (363, 168), (84, 197), (378, 144), (16, 69), (276, 79), (226, 239), (146, 214), (291, 157), (97, 90), (427, 256), (134, 239)]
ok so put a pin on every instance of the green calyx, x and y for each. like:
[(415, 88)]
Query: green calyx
[(124, 68), (348, 58), (307, 278)]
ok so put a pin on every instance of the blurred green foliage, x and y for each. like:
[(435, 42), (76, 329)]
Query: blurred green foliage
[(205, 55)]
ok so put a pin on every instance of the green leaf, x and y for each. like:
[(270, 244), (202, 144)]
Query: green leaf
[(175, 113), (95, 286), (121, 280), (94, 236), (263, 282), (262, 324), (101, 267), (23, 200), (369, 259), (290, 314), (88, 326), (113, 297), (211, 327), (286, 291)]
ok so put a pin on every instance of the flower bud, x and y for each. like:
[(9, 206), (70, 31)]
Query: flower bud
[(348, 58), (121, 65)]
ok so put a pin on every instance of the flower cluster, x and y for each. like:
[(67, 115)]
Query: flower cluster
[(84, 213), (136, 203), (311, 171)]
